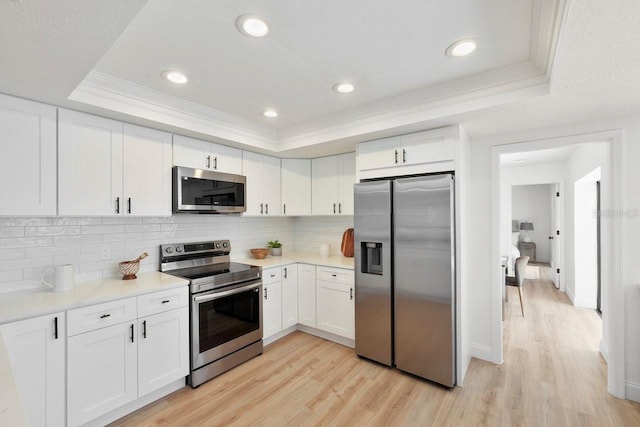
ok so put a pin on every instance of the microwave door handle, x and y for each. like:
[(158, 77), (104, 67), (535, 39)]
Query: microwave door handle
[(210, 297)]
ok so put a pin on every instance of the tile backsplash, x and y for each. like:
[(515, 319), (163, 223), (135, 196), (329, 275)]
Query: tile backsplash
[(29, 245)]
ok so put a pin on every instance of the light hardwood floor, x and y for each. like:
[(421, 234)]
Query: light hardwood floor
[(553, 375)]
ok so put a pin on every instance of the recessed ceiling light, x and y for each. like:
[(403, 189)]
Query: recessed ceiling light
[(252, 25), (343, 87), (270, 113), (461, 48), (175, 77)]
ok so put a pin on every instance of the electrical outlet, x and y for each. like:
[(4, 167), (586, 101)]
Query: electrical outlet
[(105, 253)]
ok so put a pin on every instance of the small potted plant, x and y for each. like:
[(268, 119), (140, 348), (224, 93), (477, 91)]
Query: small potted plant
[(276, 247)]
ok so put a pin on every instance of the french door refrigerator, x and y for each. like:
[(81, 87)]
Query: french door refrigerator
[(405, 275)]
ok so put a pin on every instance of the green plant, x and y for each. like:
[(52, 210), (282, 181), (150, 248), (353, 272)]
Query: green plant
[(274, 244)]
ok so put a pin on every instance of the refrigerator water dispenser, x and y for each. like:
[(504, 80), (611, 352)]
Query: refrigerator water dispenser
[(371, 258)]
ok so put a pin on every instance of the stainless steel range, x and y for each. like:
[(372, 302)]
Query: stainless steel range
[(226, 306)]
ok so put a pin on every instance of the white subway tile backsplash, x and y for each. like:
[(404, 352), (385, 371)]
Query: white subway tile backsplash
[(79, 240)]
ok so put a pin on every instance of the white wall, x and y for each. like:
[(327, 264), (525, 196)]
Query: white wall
[(485, 267), (531, 203), (583, 292), (311, 232)]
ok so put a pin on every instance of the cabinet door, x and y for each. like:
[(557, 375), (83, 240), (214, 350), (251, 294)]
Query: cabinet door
[(89, 165), (296, 187), (189, 152), (226, 159), (324, 185), (426, 147), (336, 312), (27, 157), (252, 169), (272, 309), (347, 177), (163, 349), (289, 295), (147, 171), (271, 185), (102, 372), (36, 350), (381, 153), (307, 295)]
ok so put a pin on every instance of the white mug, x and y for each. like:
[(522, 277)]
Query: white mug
[(63, 278), (324, 250)]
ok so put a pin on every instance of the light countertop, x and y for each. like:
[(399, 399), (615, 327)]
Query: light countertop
[(337, 261), (22, 305)]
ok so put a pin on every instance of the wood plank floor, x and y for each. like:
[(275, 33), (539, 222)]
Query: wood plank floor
[(553, 375)]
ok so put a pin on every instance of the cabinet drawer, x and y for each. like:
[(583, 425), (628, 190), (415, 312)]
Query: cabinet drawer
[(271, 275), (100, 316), (159, 302), (336, 275)]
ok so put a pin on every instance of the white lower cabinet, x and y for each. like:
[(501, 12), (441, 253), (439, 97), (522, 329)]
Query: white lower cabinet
[(36, 350), (272, 302), (307, 295), (110, 365), (289, 295), (335, 301), (163, 349), (102, 372)]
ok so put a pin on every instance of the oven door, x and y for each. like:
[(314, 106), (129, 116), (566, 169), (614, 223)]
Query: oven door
[(224, 321)]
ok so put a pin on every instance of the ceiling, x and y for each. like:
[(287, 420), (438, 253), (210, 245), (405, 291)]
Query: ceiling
[(539, 157), (539, 63)]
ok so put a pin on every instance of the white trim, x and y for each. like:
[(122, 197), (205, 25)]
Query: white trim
[(632, 391), (275, 337), (571, 295), (614, 305), (483, 352), (327, 336)]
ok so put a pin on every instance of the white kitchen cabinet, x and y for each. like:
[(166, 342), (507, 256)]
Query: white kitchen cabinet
[(106, 168), (332, 185), (27, 157), (296, 187), (163, 349), (89, 165), (197, 154), (147, 171), (307, 295), (289, 295), (421, 152), (115, 356), (263, 184), (36, 350), (271, 308), (102, 371), (335, 301)]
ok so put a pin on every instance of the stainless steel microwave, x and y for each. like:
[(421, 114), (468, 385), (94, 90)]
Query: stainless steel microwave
[(202, 191)]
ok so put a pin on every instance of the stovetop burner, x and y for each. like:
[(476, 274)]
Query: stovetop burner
[(206, 265)]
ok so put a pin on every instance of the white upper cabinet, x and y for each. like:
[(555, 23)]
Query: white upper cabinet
[(263, 184), (107, 168), (89, 165), (147, 171), (27, 157), (421, 152), (199, 154), (332, 185), (296, 187)]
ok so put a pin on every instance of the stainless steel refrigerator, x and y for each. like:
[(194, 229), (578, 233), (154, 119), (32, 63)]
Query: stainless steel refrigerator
[(405, 275)]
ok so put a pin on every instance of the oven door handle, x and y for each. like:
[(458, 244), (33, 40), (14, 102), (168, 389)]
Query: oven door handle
[(217, 295)]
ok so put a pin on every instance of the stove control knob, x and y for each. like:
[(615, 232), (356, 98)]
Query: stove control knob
[(217, 245), (178, 248), (225, 245), (169, 250)]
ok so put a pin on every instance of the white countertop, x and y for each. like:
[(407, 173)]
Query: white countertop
[(22, 305), (337, 261)]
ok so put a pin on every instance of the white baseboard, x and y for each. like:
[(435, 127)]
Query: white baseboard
[(632, 391), (327, 336), (482, 352), (281, 334), (570, 294), (137, 404), (462, 373), (604, 351)]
